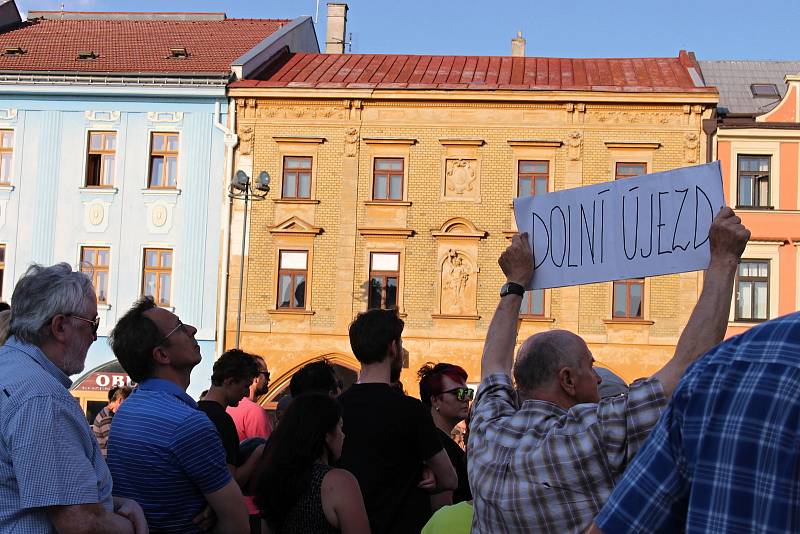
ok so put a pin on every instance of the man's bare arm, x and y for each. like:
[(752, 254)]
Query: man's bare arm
[(498, 350), (230, 510), (243, 473), (443, 471), (88, 519), (706, 326)]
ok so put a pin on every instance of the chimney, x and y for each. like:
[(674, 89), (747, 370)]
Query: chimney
[(337, 23), (518, 45)]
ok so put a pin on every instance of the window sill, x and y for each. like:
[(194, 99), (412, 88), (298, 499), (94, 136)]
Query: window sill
[(6, 188), (756, 208), (620, 320), (536, 319), (105, 191), (746, 323), (170, 309), (467, 317), (161, 192), (290, 311), (103, 306), (387, 203), (295, 201)]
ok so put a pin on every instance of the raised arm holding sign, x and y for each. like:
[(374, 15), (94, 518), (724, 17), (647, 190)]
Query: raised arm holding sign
[(567, 446)]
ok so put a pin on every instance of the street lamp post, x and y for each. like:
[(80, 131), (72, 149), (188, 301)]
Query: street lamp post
[(243, 189)]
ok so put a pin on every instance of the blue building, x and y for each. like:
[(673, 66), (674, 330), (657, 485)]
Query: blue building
[(116, 151)]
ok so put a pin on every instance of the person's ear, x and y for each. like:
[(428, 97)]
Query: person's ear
[(58, 329), (160, 356), (566, 379)]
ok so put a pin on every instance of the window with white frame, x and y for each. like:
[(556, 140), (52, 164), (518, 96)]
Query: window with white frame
[(292, 279)]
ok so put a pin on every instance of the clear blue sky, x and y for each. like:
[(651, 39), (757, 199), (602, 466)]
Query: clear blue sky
[(713, 29)]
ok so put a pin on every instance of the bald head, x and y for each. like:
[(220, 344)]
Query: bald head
[(542, 355)]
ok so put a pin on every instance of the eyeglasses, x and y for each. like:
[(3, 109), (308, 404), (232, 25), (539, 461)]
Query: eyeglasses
[(180, 326), (462, 394), (94, 322)]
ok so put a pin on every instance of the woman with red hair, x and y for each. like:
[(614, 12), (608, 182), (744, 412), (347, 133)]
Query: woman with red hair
[(443, 389)]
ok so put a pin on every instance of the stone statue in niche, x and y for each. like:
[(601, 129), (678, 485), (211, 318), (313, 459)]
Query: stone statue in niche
[(457, 284), (246, 140), (351, 142), (691, 142), (574, 142), (460, 176)]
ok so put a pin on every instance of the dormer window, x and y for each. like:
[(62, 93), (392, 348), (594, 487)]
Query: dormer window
[(87, 54), (13, 51), (178, 53), (764, 90)]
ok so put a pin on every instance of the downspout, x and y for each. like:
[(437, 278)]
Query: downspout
[(231, 140), (710, 129)]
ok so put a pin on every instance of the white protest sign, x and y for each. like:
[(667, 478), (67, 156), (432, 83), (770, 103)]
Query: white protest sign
[(629, 228)]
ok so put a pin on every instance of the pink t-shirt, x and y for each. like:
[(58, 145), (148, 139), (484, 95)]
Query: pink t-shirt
[(251, 421)]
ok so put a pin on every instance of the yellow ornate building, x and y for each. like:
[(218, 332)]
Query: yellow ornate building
[(393, 179)]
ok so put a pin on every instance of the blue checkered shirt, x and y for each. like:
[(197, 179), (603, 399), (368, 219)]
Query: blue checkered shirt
[(725, 456), (48, 454), (541, 468)]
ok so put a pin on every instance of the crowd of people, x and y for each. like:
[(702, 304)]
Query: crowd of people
[(706, 444)]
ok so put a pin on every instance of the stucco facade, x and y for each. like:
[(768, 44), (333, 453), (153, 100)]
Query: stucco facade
[(772, 139), (158, 181), (460, 150)]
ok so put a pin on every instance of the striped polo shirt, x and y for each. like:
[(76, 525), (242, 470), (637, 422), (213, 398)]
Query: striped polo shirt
[(165, 454), (48, 455)]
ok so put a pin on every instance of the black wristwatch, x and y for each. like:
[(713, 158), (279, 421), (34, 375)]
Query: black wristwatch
[(512, 288)]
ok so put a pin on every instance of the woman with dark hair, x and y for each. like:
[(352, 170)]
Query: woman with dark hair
[(297, 490), (443, 389)]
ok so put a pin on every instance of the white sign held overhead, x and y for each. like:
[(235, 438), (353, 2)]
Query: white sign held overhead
[(630, 228)]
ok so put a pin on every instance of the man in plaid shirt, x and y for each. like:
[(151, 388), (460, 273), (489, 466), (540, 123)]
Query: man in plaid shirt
[(102, 422), (724, 457), (544, 457)]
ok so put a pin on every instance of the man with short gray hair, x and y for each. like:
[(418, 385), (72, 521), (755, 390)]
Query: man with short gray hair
[(544, 458), (53, 477)]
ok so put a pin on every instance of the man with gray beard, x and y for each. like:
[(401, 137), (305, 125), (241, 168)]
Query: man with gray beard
[(53, 477)]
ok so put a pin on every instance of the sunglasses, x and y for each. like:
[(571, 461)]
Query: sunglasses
[(265, 374), (462, 394), (94, 322)]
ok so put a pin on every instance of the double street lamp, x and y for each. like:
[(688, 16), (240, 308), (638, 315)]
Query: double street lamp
[(243, 188)]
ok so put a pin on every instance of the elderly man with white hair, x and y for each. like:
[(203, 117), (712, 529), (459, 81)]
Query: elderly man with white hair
[(53, 477)]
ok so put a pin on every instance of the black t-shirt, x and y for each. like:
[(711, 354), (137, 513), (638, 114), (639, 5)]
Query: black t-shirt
[(459, 460), (387, 437), (225, 428)]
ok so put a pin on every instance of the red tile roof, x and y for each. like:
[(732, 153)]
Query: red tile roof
[(132, 45), (372, 71)]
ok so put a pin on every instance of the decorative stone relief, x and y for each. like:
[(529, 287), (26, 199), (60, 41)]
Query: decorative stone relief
[(246, 140), (351, 138), (691, 143), (96, 216), (633, 117), (159, 217), (102, 116), (250, 109), (460, 177), (8, 114), (165, 116), (458, 283), (574, 144)]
